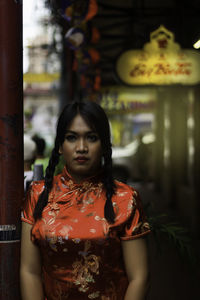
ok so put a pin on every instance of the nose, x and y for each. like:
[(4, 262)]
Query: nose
[(81, 146)]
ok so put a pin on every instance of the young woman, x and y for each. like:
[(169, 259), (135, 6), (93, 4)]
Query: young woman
[(82, 232)]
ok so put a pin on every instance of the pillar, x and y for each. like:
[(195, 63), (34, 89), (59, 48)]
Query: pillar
[(178, 174), (66, 76), (159, 143), (196, 167), (11, 145)]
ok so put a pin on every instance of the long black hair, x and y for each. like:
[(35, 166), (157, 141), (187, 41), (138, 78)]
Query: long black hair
[(96, 118)]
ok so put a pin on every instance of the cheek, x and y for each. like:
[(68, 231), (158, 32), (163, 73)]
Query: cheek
[(67, 150), (97, 151)]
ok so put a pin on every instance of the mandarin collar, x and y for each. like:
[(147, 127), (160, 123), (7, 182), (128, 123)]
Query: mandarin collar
[(69, 186), (97, 178)]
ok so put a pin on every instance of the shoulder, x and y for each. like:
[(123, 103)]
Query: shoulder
[(29, 203), (124, 190), (38, 185), (129, 210), (125, 198), (34, 190)]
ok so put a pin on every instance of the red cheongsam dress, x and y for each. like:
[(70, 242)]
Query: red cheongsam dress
[(81, 252)]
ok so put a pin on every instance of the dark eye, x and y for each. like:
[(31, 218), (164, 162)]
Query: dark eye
[(70, 137), (92, 137)]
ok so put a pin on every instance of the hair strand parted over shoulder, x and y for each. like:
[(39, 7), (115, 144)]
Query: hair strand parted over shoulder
[(96, 118)]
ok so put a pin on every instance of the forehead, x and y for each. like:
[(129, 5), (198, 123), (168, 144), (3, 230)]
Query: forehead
[(80, 125)]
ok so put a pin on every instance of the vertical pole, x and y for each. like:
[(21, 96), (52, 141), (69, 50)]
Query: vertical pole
[(159, 145), (66, 89), (178, 143), (11, 145), (196, 167)]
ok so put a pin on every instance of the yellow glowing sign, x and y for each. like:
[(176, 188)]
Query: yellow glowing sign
[(123, 99), (160, 62), (40, 77)]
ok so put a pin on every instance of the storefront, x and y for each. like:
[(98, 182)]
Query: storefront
[(162, 81)]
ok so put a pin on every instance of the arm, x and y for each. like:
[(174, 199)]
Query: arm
[(30, 268), (136, 264)]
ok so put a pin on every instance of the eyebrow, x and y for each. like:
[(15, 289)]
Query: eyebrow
[(75, 132)]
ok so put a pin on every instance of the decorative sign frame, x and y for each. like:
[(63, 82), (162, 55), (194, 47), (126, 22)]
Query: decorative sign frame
[(160, 62)]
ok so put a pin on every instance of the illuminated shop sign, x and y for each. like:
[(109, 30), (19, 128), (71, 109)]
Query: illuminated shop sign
[(122, 105), (40, 77), (161, 62), (124, 99)]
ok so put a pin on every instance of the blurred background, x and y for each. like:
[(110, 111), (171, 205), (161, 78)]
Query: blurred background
[(140, 60)]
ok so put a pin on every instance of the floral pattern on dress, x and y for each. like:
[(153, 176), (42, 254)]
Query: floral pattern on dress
[(105, 225), (79, 247), (84, 268), (94, 295)]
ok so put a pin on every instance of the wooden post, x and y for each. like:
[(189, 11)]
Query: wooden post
[(178, 142), (196, 167), (11, 145), (159, 145), (66, 88)]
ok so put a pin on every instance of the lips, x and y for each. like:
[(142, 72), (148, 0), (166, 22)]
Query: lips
[(81, 159)]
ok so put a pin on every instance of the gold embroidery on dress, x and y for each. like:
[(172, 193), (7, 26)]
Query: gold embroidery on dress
[(105, 225), (94, 295), (84, 268)]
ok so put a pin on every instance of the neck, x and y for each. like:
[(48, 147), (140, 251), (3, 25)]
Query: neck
[(79, 178)]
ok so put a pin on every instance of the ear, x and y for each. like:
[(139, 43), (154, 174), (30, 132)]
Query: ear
[(60, 150)]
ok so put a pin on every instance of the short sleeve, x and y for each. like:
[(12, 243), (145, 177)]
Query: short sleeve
[(137, 224), (30, 203)]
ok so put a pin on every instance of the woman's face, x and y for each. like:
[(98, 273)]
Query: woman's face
[(81, 149)]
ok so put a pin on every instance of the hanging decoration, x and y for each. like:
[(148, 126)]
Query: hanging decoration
[(94, 35), (81, 37), (77, 11), (94, 55), (90, 82), (92, 10), (75, 38)]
